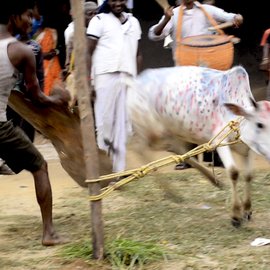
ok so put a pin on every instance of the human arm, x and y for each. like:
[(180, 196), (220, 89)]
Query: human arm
[(265, 37), (22, 58), (222, 16), (93, 32), (51, 54), (69, 35), (238, 20), (165, 19), (265, 52), (139, 59), (69, 63), (91, 46), (163, 28)]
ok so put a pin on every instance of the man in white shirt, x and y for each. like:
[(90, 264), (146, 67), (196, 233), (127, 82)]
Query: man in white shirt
[(113, 41), (90, 10), (194, 21)]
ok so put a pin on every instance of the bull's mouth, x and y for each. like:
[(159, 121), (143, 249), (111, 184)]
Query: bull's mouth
[(260, 151)]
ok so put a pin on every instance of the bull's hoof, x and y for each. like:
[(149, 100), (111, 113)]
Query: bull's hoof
[(182, 166), (248, 215), (236, 222)]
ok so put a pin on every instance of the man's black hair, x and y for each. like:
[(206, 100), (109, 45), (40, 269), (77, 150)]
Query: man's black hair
[(14, 7), (105, 8)]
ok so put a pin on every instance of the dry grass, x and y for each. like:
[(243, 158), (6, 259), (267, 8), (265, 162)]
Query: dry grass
[(180, 213)]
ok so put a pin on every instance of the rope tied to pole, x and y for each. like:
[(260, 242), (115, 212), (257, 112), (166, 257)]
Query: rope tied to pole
[(138, 173)]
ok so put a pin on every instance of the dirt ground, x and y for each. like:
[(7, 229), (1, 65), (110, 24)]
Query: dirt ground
[(17, 203)]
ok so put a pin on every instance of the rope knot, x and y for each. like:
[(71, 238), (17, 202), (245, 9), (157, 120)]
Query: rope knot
[(234, 125), (177, 159), (140, 174), (207, 147)]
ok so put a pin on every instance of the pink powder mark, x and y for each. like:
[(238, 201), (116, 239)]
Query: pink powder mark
[(265, 111), (216, 121), (267, 106)]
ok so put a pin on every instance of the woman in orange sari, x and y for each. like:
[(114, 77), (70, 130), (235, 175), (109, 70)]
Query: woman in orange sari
[(47, 38)]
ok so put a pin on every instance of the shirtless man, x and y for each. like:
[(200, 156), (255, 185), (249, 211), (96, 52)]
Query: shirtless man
[(18, 152)]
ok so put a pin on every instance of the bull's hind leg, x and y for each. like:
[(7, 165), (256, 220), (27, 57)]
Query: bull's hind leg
[(205, 171), (228, 161), (180, 148)]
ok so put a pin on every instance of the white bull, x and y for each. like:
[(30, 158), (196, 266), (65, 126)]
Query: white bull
[(192, 104)]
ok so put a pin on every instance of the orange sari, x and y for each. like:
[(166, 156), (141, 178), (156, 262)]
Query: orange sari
[(52, 69)]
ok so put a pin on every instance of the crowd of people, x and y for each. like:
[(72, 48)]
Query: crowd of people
[(32, 50)]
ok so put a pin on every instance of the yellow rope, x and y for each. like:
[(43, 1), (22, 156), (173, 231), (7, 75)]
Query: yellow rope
[(134, 174)]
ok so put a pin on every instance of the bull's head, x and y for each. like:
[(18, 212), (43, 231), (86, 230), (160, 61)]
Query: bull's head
[(255, 129)]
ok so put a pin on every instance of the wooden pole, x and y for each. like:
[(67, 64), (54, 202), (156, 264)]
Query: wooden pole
[(163, 3), (87, 126)]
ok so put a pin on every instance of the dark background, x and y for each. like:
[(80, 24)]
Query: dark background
[(247, 53)]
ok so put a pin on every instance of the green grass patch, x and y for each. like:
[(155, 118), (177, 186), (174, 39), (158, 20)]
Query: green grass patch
[(121, 253), (127, 254)]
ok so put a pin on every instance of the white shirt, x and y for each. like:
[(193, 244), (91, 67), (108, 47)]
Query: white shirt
[(194, 22), (69, 32), (8, 76), (130, 4), (117, 45)]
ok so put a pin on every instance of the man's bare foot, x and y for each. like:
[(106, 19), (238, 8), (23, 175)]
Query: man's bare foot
[(53, 239)]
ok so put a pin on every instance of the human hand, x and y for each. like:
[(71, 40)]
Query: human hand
[(238, 20), (60, 96), (168, 13), (51, 54)]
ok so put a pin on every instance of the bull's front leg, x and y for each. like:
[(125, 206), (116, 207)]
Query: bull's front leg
[(247, 205), (247, 198), (236, 218), (228, 161)]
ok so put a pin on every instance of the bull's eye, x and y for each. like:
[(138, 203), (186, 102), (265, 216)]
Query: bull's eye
[(260, 125)]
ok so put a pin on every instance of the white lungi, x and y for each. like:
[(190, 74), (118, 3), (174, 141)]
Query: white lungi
[(112, 124)]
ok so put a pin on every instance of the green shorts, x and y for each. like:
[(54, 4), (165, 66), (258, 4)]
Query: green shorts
[(17, 150)]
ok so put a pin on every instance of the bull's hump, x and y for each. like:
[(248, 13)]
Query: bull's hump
[(191, 99)]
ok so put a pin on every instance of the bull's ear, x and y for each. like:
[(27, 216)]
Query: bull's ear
[(236, 109), (254, 103)]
